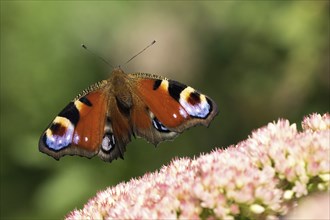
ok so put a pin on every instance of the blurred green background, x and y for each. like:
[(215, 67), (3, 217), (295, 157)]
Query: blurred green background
[(259, 61)]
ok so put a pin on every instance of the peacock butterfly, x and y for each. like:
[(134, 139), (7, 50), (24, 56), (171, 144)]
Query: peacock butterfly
[(101, 120)]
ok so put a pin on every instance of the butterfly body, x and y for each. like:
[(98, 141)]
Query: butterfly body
[(103, 118)]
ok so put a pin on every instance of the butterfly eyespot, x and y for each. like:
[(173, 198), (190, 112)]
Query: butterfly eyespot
[(159, 126), (108, 142), (196, 105), (59, 134)]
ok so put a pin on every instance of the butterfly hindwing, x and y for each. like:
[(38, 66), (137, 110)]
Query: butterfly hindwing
[(117, 132)]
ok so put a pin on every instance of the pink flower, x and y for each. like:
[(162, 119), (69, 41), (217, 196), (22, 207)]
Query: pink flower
[(260, 177), (316, 122)]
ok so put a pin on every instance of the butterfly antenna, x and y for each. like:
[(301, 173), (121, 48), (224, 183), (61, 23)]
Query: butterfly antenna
[(140, 52), (95, 54)]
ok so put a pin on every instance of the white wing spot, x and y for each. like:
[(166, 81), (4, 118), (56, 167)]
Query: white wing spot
[(57, 142), (106, 145), (200, 110)]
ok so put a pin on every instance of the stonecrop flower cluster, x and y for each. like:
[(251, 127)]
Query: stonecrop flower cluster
[(262, 177)]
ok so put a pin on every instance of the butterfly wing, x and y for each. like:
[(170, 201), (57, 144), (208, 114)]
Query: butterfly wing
[(117, 131), (79, 127), (102, 119), (168, 108)]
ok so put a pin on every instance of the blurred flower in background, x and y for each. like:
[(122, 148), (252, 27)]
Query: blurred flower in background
[(262, 177)]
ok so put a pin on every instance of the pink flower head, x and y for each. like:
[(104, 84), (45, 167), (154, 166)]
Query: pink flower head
[(261, 177), (316, 122)]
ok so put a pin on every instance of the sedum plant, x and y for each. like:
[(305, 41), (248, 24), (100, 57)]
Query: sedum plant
[(262, 177)]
